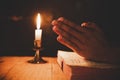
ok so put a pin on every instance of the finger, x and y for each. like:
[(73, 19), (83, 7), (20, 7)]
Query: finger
[(68, 44), (79, 41), (66, 30), (77, 33), (55, 29), (65, 21), (63, 41), (54, 22), (62, 20), (69, 23), (95, 36), (94, 30), (92, 26), (84, 38)]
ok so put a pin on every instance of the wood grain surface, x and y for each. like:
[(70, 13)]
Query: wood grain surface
[(18, 68)]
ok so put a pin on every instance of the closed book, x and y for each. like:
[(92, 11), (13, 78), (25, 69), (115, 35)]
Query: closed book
[(76, 67)]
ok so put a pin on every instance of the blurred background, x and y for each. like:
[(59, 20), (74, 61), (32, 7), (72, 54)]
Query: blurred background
[(17, 22)]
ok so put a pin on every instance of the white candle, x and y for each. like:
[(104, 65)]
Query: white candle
[(38, 31), (38, 34)]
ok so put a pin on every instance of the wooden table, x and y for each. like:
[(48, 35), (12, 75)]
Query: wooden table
[(18, 68)]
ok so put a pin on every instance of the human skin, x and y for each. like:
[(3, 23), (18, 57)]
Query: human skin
[(86, 39)]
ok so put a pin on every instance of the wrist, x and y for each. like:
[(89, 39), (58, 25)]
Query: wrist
[(109, 55)]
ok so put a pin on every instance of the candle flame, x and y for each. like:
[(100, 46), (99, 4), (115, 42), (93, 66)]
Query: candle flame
[(38, 21)]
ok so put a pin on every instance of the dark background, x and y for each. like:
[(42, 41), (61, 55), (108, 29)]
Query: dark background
[(17, 22)]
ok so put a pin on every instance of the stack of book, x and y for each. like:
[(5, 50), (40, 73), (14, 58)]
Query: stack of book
[(76, 67)]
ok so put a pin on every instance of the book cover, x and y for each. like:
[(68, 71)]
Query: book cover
[(76, 67)]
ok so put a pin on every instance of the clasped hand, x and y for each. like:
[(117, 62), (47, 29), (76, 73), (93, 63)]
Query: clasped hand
[(86, 39)]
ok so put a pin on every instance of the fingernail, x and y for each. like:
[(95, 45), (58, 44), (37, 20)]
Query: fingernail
[(59, 38), (61, 19), (55, 29), (54, 22), (83, 24)]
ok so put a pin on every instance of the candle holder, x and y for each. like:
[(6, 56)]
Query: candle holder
[(37, 48)]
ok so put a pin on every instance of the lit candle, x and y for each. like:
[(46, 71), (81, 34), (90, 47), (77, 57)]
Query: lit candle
[(38, 31)]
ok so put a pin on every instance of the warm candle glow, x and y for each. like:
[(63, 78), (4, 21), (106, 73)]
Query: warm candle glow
[(38, 31), (38, 21)]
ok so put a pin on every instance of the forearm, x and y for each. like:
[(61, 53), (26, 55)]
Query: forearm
[(109, 56), (114, 55)]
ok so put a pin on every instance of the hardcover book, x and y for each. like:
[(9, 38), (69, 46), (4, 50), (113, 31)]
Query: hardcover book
[(76, 67)]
